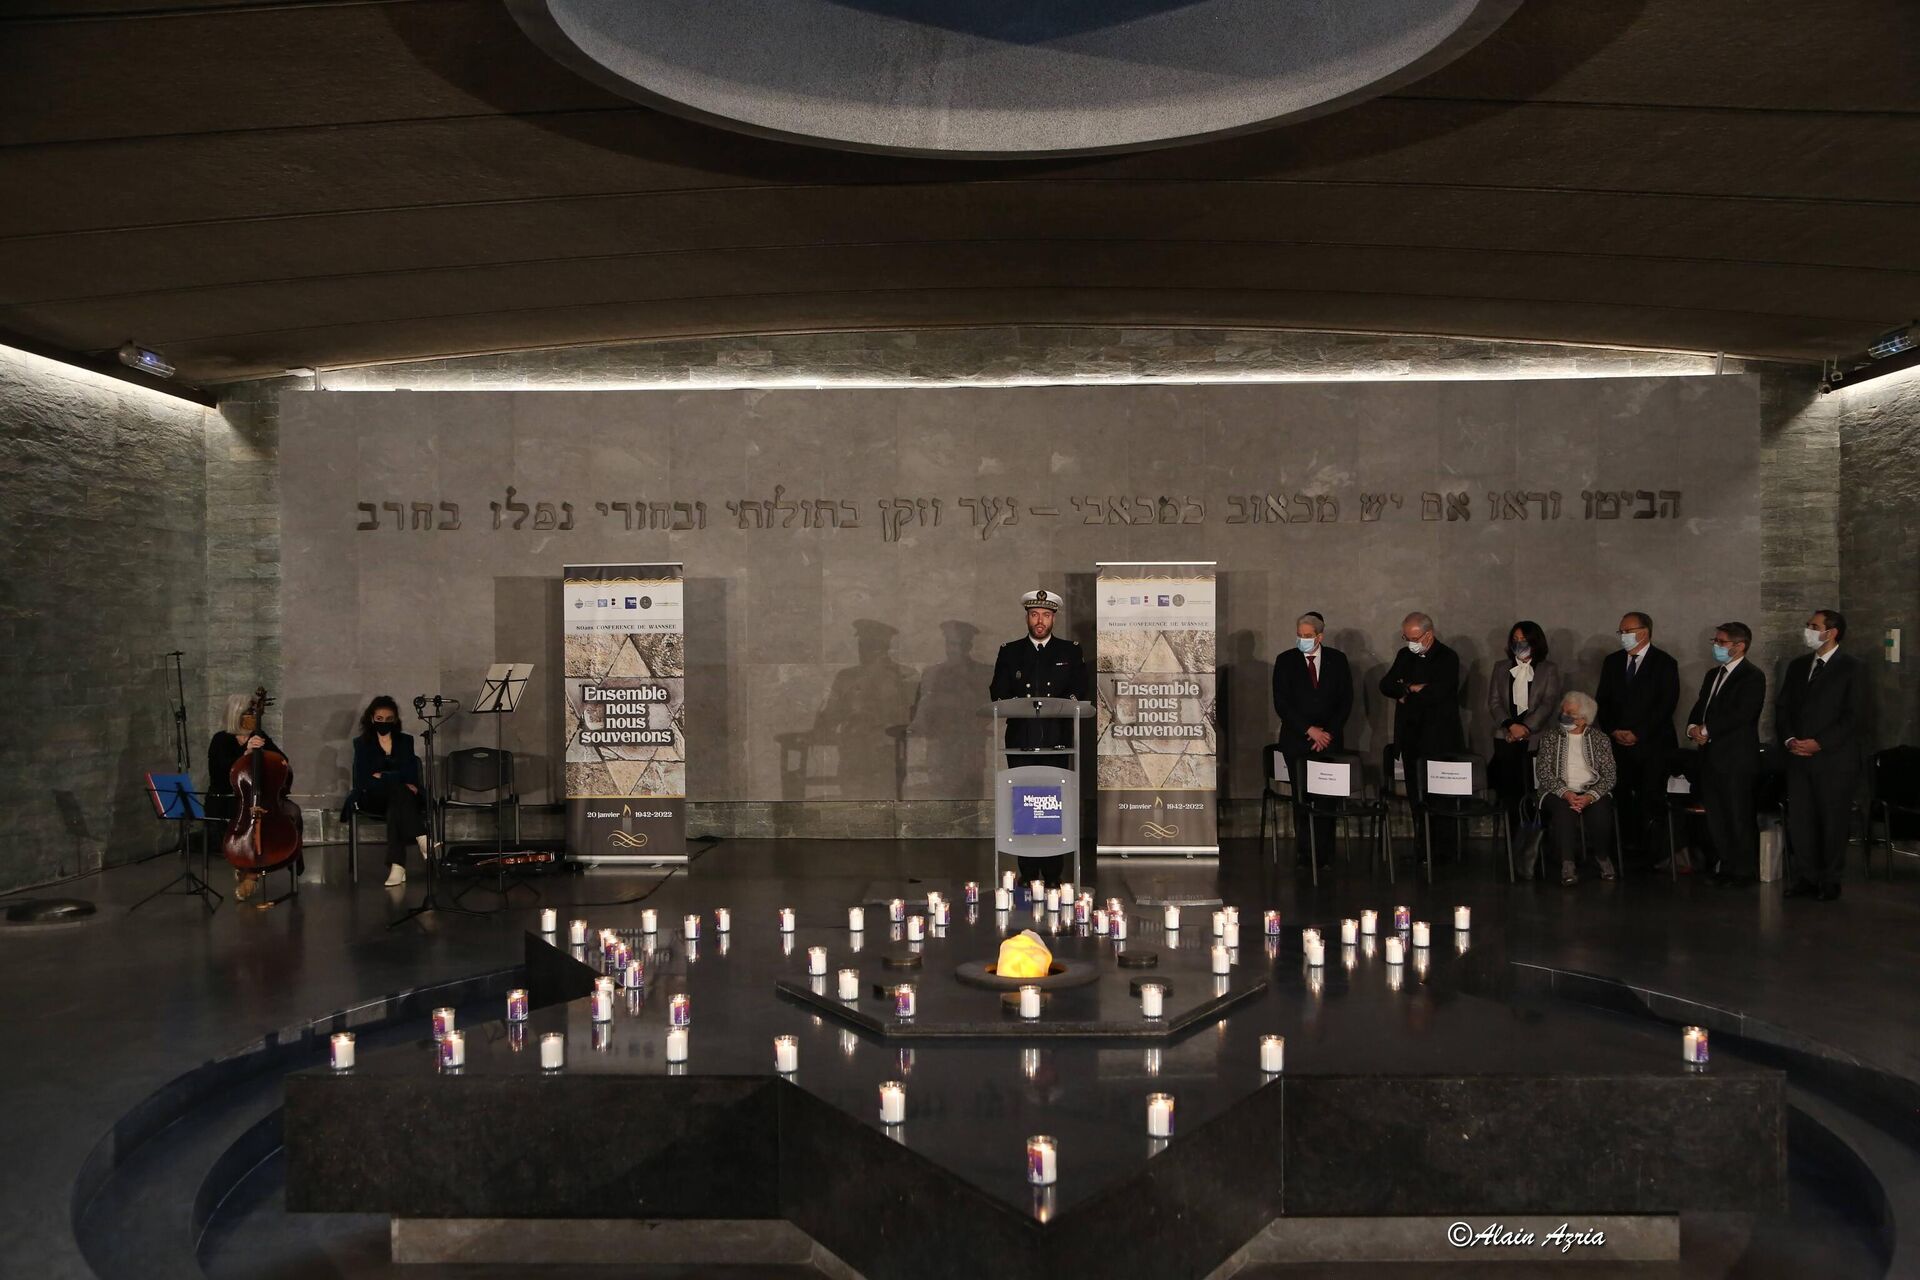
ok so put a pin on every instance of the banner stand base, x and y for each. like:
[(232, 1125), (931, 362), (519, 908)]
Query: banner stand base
[(1170, 852), (628, 861)]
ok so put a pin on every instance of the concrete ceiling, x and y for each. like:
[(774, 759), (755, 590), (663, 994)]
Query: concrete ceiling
[(250, 186)]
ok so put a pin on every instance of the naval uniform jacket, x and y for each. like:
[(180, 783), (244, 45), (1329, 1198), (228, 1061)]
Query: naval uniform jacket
[(1026, 670)]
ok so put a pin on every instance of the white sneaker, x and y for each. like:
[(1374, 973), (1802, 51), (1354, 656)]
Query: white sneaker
[(397, 874)]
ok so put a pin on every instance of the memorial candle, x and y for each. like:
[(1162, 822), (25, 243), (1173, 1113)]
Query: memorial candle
[(1003, 899), (1316, 951), (1693, 1045), (1100, 921), (553, 1050), (1370, 921), (1043, 1164), (1396, 950), (1066, 891), (1008, 879), (1232, 936), (893, 1102), (1220, 960), (340, 1051), (1401, 917), (649, 920), (856, 919), (971, 892), (1053, 899), (816, 960), (786, 919), (896, 909), (517, 1005), (1422, 934), (442, 1023), (453, 1050), (786, 1054), (849, 984), (1152, 998), (1349, 932), (1273, 1054), (1462, 918), (1117, 925), (577, 933), (692, 926), (1271, 922), (601, 1002), (1159, 1115), (549, 920), (1219, 923), (676, 1044), (916, 929), (1029, 1001), (1172, 918)]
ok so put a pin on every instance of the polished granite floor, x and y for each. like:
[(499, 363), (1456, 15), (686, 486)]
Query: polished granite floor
[(103, 1013)]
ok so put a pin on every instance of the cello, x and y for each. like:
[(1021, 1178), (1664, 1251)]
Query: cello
[(265, 831)]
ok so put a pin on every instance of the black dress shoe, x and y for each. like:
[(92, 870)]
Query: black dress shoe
[(1801, 889), (1830, 894)]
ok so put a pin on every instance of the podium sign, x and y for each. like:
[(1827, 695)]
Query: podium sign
[(624, 632), (1158, 743)]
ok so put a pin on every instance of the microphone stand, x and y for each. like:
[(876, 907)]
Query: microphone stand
[(430, 902)]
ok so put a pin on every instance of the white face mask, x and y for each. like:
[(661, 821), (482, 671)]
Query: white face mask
[(1307, 644), (1629, 640), (1415, 647), (1814, 638)]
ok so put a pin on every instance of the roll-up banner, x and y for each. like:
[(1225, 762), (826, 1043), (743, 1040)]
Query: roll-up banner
[(624, 634), (1158, 747)]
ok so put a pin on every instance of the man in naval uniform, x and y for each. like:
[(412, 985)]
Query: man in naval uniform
[(1040, 665)]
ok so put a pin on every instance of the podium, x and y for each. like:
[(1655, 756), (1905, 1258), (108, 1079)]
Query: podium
[(1036, 807)]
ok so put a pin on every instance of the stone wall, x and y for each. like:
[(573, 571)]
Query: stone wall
[(1880, 565), (103, 539)]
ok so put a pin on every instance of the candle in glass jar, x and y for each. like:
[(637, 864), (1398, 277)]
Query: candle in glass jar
[(1171, 919), (1316, 952), (1029, 1001), (1462, 918), (906, 1000), (1401, 917), (577, 933), (971, 892), (856, 919), (692, 926), (1066, 891), (636, 974), (1153, 997), (722, 920), (1219, 923), (1422, 935), (680, 1010), (1159, 1115), (816, 960), (1349, 932), (1396, 950), (676, 1044), (896, 910), (517, 1005), (942, 914), (1693, 1045), (916, 929), (1003, 899), (1100, 921), (1273, 1054), (1271, 922), (649, 920), (786, 919), (1117, 925), (1052, 899), (893, 1102), (1220, 960), (549, 920), (553, 1050), (601, 1003), (786, 1054), (849, 988), (340, 1051), (453, 1049), (1043, 1165), (1370, 921), (1232, 936), (1008, 879)]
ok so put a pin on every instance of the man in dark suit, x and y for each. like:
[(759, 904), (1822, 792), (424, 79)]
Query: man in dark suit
[(1820, 716), (1313, 694), (1040, 665), (1639, 689), (1424, 684), (1725, 725)]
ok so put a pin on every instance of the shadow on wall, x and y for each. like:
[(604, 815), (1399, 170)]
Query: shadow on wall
[(947, 743), (856, 749)]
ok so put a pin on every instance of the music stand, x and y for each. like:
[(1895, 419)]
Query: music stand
[(175, 800), (500, 692)]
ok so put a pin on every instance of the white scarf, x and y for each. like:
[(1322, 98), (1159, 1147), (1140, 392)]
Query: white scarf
[(1522, 680)]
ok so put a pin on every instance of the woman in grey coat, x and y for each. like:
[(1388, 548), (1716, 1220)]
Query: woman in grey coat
[(1523, 696), (1576, 773)]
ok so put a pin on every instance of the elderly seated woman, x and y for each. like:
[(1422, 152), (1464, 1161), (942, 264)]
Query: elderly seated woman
[(1575, 773)]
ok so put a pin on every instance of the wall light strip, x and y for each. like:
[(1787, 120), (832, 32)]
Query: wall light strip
[(109, 376)]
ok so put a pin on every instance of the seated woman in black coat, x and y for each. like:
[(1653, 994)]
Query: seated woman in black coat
[(386, 783)]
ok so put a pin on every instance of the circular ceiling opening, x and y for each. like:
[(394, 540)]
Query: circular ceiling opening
[(1004, 78)]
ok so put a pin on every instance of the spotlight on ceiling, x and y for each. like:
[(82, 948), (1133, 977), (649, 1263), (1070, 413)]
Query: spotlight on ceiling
[(1892, 342), (140, 358)]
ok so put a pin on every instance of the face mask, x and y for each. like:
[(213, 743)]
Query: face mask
[(385, 726), (1523, 651), (1629, 640), (1307, 644), (1567, 723), (1814, 638), (1415, 647), (1721, 653)]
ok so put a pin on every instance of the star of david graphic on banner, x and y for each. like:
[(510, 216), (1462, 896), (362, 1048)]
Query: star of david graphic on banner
[(1157, 745), (624, 640)]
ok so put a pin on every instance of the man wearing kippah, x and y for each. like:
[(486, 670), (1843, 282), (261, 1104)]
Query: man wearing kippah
[(1040, 665)]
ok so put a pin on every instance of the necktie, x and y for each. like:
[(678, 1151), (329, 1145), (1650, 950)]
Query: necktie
[(1633, 666), (1313, 669), (1718, 680), (1816, 665)]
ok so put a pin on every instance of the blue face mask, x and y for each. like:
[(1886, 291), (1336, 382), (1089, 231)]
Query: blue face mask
[(1722, 654), (1522, 651), (1567, 723), (1307, 644)]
